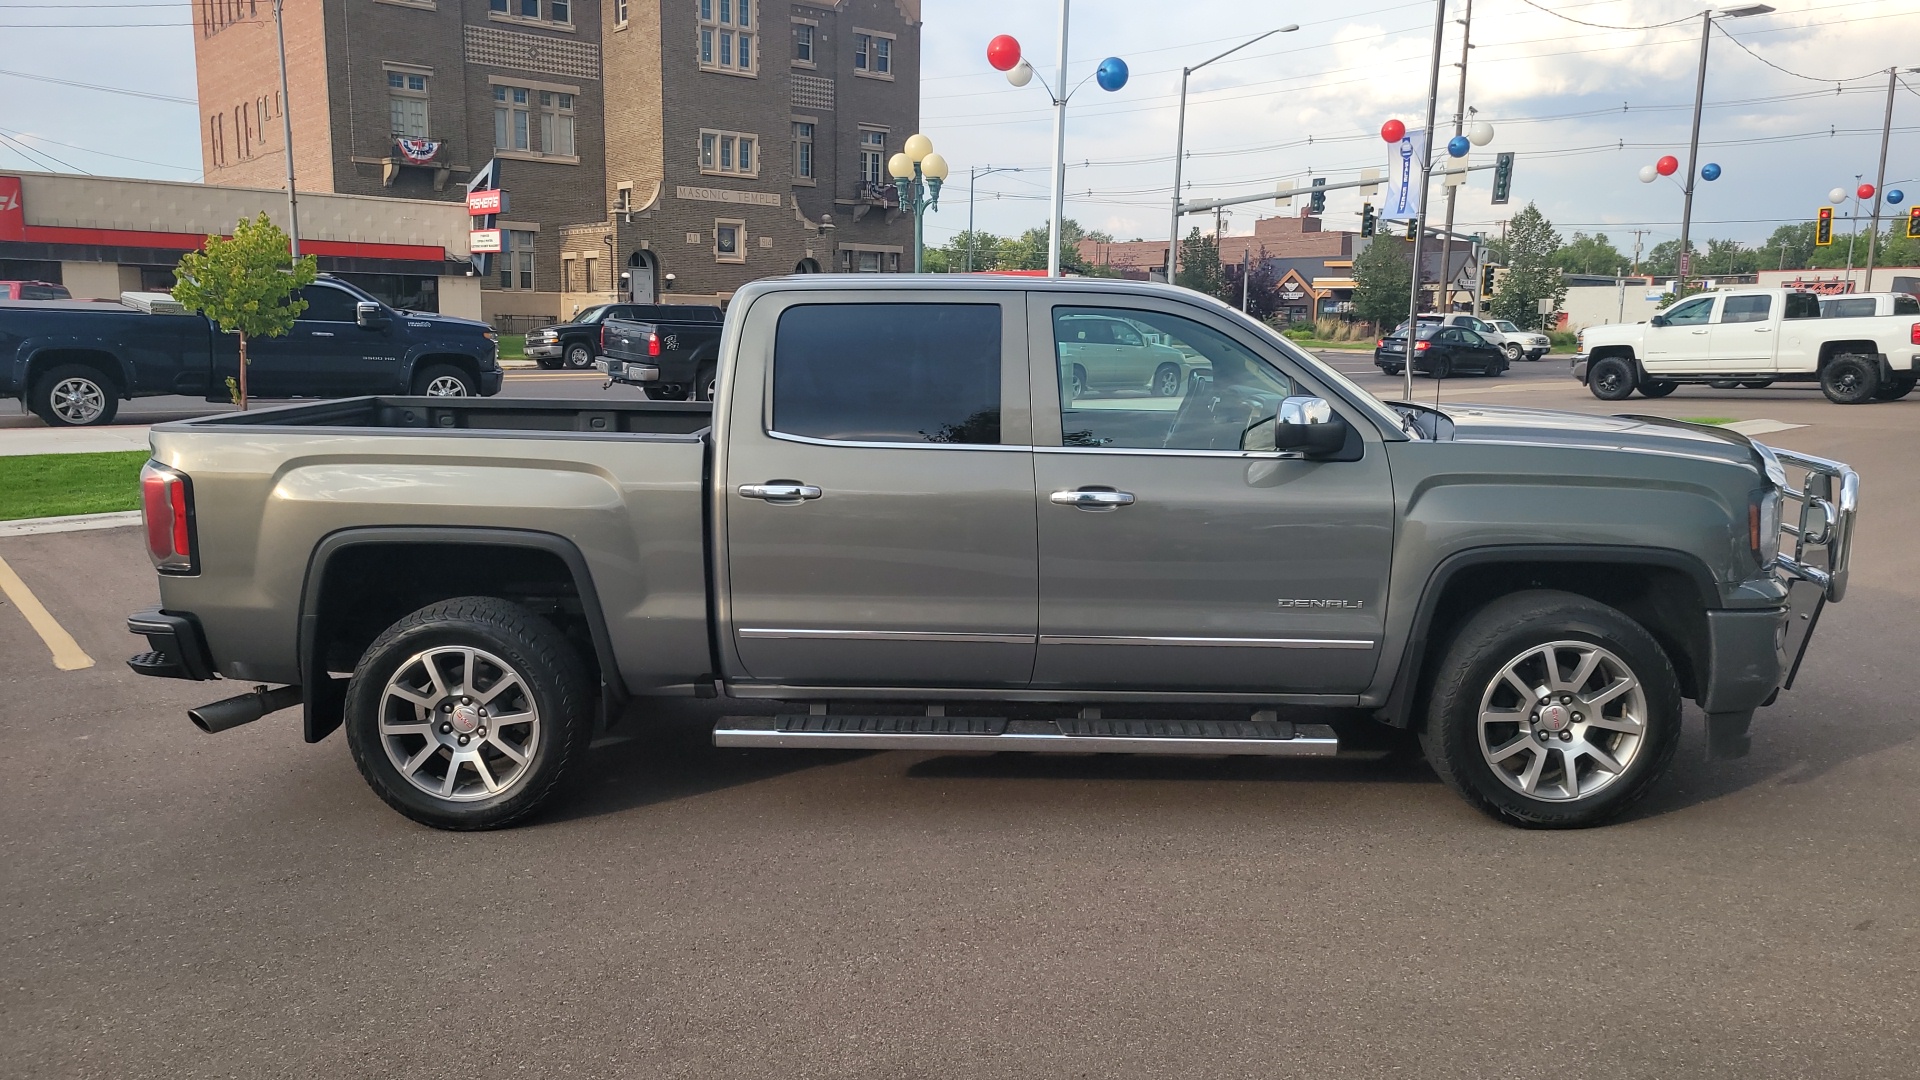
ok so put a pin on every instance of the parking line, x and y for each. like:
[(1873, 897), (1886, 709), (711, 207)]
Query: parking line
[(67, 653)]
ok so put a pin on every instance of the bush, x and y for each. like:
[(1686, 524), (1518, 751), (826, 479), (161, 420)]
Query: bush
[(1564, 339)]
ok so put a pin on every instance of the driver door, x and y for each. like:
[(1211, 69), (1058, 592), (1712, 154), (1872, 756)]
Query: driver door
[(1178, 555), (1683, 345)]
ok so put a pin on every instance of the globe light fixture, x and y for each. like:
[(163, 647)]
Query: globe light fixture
[(900, 167), (917, 175)]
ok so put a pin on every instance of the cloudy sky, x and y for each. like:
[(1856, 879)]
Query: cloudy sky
[(1794, 103)]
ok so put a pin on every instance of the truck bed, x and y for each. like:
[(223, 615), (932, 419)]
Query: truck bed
[(401, 414)]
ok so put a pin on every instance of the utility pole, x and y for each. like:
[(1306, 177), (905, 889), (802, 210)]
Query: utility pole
[(1453, 190), (1853, 219), (1246, 277), (1426, 170), (1637, 234), (1059, 152), (1880, 179), (286, 131), (1685, 263), (973, 175)]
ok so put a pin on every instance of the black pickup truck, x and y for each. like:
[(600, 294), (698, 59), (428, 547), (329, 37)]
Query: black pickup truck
[(73, 361), (575, 343), (672, 360)]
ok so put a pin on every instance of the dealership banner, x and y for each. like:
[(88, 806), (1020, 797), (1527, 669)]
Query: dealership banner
[(1402, 188)]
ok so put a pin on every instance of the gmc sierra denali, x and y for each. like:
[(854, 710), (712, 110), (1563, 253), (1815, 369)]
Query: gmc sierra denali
[(901, 518)]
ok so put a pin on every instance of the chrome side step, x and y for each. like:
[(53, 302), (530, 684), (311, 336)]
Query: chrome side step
[(1266, 738)]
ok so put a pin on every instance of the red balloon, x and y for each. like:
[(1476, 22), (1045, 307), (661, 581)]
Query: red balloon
[(1393, 131), (1865, 192), (1667, 166), (1003, 52)]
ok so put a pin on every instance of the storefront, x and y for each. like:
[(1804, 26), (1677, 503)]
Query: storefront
[(102, 236)]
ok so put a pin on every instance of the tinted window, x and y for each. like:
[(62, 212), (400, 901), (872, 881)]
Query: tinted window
[(593, 314), (916, 373), (1691, 313), (1802, 305), (1746, 309), (327, 304), (1189, 388), (1906, 305), (1856, 307), (1468, 337), (43, 292), (671, 313)]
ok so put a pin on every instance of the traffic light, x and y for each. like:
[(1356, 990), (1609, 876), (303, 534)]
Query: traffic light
[(1368, 221), (1502, 178), (1317, 203), (1913, 223), (1413, 227), (1486, 282), (1823, 228)]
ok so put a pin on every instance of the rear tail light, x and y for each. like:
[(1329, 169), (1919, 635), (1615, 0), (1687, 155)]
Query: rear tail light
[(603, 337), (653, 344), (1915, 333), (166, 506), (1383, 343), (1423, 346)]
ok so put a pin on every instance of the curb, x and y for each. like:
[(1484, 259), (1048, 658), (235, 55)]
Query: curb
[(71, 523)]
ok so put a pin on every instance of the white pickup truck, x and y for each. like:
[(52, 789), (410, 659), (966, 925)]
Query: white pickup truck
[(1756, 337)]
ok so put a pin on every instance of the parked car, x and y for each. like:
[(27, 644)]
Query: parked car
[(1441, 351), (1104, 355), (1754, 337), (574, 343), (33, 290), (893, 519), (1466, 321), (670, 361), (73, 361), (1533, 345)]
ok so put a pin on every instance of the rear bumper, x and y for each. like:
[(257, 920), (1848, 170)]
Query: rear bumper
[(176, 647), (627, 371)]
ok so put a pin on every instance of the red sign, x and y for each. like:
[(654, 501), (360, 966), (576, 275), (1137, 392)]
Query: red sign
[(1686, 264), (13, 213), (481, 241), (482, 203)]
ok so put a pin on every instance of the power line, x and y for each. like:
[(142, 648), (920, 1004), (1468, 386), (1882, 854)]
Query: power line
[(88, 26), (24, 150), (28, 136), (1787, 71), (1604, 26), (102, 89)]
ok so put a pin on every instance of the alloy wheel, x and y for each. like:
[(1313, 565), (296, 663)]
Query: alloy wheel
[(1562, 721), (459, 723), (446, 386), (78, 401)]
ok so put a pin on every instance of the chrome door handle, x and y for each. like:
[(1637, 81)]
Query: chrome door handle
[(1092, 500), (779, 492), (320, 333), (1763, 329)]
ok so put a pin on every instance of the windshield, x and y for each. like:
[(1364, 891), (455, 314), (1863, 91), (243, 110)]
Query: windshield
[(1506, 327), (593, 314)]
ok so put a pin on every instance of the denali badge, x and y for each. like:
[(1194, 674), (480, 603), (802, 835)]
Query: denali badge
[(1350, 605)]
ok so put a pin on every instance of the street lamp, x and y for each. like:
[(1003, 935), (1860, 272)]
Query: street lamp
[(1693, 141), (1180, 142), (914, 164), (973, 174), (286, 132)]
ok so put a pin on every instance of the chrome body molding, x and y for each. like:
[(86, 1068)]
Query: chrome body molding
[(771, 633), (1212, 642), (811, 441), (1312, 741)]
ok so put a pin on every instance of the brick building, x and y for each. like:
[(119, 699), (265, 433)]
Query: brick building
[(690, 145), (1292, 238)]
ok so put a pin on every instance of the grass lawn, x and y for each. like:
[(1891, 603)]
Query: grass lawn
[(1711, 421), (55, 485), (513, 346), (1315, 343)]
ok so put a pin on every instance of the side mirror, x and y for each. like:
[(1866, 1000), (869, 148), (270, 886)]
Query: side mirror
[(1308, 426), (1658, 320), (370, 316)]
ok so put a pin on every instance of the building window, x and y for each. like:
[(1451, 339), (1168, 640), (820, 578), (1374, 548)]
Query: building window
[(589, 272), (803, 151), (217, 139), (619, 12), (556, 124), (623, 199), (725, 43), (510, 118), (407, 103), (729, 153), (870, 262), (728, 237), (556, 11), (516, 259), (873, 156), (873, 54), (803, 44)]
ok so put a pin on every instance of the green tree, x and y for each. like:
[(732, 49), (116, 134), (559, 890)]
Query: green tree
[(1200, 263), (1531, 276), (1664, 259), (1028, 251), (245, 285), (985, 247), (1383, 281), (1590, 255)]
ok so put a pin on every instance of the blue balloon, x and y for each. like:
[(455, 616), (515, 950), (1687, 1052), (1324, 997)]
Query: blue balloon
[(1113, 73), (1896, 196), (1709, 171), (1459, 145)]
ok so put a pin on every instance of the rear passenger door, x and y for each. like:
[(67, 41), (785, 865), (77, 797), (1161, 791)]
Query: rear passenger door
[(1744, 337), (876, 500)]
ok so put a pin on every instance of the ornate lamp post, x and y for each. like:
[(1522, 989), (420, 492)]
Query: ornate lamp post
[(918, 173)]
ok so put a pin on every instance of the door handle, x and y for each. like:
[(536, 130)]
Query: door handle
[(320, 333), (1763, 329), (780, 492), (1698, 333), (1092, 500)]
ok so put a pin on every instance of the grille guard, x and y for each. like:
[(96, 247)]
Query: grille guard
[(1820, 536)]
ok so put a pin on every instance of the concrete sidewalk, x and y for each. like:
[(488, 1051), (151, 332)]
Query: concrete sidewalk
[(70, 440)]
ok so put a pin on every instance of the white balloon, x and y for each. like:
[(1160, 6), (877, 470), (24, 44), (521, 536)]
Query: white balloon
[(1021, 73), (1836, 195), (1648, 174), (1480, 134)]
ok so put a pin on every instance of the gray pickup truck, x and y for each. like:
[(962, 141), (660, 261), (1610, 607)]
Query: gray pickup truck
[(901, 521)]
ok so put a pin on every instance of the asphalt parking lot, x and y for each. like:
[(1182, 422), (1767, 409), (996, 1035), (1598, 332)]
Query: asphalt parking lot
[(184, 905)]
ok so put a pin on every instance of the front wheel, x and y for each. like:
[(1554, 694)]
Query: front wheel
[(1166, 380), (74, 395), (1850, 380), (579, 356), (1552, 711), (444, 380), (1077, 383), (1611, 379), (1512, 351), (468, 713)]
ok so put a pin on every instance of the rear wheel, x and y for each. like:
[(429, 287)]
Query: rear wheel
[(1658, 387), (1611, 379), (1756, 384), (1900, 387), (467, 714), (444, 380), (1552, 711), (1441, 368), (706, 381), (1850, 380), (75, 395), (579, 356), (1166, 380)]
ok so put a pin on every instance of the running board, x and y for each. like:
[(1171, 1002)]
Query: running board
[(1266, 738)]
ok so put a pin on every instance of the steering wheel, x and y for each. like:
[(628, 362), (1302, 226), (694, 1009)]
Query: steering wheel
[(1216, 410)]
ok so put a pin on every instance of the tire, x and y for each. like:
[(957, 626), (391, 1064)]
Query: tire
[(1656, 388), (1077, 382), (518, 658), (1611, 379), (75, 395), (1498, 368), (444, 380), (706, 381), (1900, 387), (1441, 368), (1725, 384), (1512, 351), (579, 356), (1850, 380), (1517, 770), (548, 363), (1166, 381), (1756, 384)]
